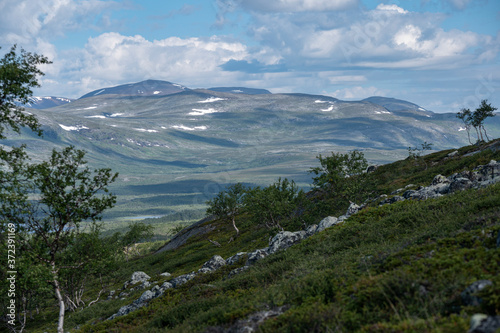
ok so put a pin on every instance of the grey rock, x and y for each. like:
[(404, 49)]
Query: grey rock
[(284, 239), (145, 284), (166, 285), (392, 200), (123, 294), (353, 209), (252, 323), (481, 323), (311, 230), (136, 277), (371, 168), (180, 280), (453, 154), (409, 194), (327, 222), (214, 263), (204, 270), (469, 294), (165, 274), (124, 310), (146, 296), (460, 184), (256, 255), (487, 172), (237, 271), (155, 288), (440, 179), (234, 259)]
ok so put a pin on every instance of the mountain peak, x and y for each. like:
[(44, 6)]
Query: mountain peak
[(143, 88)]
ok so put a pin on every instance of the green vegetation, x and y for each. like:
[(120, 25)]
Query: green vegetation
[(476, 119), (398, 268)]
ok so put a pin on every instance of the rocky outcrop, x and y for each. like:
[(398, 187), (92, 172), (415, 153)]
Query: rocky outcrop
[(480, 177), (469, 296), (481, 323), (284, 239)]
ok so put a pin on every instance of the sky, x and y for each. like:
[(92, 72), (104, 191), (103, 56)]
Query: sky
[(442, 55)]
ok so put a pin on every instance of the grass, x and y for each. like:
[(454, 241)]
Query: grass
[(394, 268)]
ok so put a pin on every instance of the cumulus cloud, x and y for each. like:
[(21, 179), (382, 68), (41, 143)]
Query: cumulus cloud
[(23, 21), (112, 58), (298, 5)]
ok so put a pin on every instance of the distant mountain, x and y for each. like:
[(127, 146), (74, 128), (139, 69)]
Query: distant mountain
[(393, 104), (167, 136), (241, 90), (46, 102), (144, 88)]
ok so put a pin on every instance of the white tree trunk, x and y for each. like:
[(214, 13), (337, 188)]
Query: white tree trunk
[(57, 289)]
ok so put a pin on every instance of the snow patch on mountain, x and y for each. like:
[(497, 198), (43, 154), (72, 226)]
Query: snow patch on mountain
[(382, 112), (318, 101), (97, 116), (212, 99), (156, 92), (330, 108), (196, 128), (116, 115), (146, 130), (73, 128), (201, 112), (99, 92)]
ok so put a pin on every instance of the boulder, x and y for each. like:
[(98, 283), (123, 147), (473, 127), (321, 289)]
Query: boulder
[(353, 209), (453, 154), (284, 240), (214, 263), (256, 255), (237, 271), (440, 179), (180, 280), (165, 274), (469, 294), (311, 230), (137, 277), (234, 259), (460, 184), (481, 323), (327, 222), (146, 296)]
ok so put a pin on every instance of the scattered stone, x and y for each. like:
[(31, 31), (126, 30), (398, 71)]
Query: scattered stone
[(180, 280), (284, 239), (237, 271), (392, 200), (136, 277), (440, 179), (234, 259), (353, 209), (165, 274), (327, 222), (146, 296), (214, 263), (256, 255), (481, 323), (123, 294), (311, 230), (453, 154), (469, 294), (460, 184)]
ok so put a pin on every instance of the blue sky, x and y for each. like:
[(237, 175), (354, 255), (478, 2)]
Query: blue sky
[(442, 55)]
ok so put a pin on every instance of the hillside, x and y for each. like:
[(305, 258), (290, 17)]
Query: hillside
[(176, 147), (396, 265)]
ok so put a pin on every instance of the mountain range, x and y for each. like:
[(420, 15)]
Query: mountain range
[(168, 141)]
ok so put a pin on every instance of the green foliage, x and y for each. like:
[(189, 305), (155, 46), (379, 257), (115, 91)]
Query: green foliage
[(342, 176), (137, 231), (279, 203), (18, 75), (476, 119), (228, 203)]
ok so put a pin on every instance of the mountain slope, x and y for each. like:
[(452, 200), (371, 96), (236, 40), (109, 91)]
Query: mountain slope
[(155, 141), (403, 267), (143, 88)]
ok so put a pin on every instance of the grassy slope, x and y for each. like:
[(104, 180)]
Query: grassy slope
[(398, 268)]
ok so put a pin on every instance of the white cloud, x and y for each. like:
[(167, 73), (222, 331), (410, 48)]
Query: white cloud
[(392, 8), (298, 5), (112, 58), (23, 21)]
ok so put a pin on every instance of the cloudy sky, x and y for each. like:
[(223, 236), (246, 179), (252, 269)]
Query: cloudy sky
[(440, 54)]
